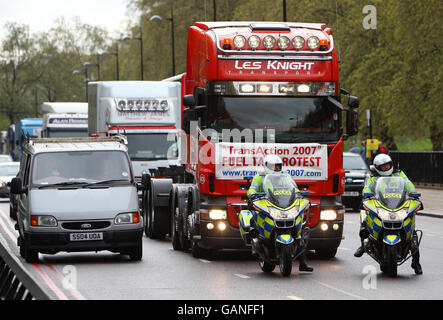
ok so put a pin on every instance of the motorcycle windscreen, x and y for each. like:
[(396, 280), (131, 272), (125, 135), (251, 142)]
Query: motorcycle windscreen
[(280, 189), (391, 191)]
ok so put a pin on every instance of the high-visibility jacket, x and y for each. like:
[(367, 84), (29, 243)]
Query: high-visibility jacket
[(257, 185), (372, 180)]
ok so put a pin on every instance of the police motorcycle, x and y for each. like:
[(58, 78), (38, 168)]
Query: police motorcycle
[(273, 224), (388, 221)]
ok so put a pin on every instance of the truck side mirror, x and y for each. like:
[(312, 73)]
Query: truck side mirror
[(17, 187), (351, 122), (353, 102), (189, 100), (188, 116)]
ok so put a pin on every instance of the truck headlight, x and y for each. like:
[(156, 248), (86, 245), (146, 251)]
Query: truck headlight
[(328, 215), (239, 41), (43, 221), (216, 214), (127, 218)]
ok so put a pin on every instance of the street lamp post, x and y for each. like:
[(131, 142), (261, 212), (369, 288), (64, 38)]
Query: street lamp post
[(141, 49), (107, 53), (158, 18), (90, 64), (85, 73)]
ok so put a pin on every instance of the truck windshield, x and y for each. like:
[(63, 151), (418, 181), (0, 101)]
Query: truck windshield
[(67, 133), (80, 167), (294, 119), (152, 146)]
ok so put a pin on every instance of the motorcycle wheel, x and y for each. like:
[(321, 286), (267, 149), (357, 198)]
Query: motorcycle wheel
[(285, 261), (391, 266), (266, 267)]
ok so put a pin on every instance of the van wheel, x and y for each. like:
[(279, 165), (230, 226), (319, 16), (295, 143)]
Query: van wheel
[(12, 212), (136, 253), (28, 254)]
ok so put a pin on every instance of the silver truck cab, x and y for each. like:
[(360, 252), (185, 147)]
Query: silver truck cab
[(77, 194)]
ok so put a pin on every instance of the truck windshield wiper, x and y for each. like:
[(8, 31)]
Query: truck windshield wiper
[(66, 183), (104, 182)]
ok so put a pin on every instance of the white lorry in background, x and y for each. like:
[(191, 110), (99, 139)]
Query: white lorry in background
[(148, 113), (64, 119)]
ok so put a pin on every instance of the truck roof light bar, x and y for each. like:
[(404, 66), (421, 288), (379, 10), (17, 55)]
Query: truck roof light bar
[(142, 105), (269, 41)]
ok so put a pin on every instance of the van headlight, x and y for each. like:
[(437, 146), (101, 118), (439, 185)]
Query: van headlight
[(127, 218), (43, 221), (328, 215), (217, 214)]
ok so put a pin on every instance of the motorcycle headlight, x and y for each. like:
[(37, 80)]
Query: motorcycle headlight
[(278, 214), (392, 216)]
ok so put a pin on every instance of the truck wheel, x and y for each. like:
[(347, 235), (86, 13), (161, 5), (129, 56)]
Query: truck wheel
[(326, 253), (266, 267), (176, 244), (198, 252)]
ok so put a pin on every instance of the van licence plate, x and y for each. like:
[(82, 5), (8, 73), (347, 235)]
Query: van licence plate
[(86, 236)]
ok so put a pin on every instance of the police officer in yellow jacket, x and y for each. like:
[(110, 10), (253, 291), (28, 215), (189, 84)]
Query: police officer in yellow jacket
[(273, 164), (384, 167)]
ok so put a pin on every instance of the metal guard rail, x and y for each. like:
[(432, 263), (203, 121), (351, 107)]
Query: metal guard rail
[(16, 283)]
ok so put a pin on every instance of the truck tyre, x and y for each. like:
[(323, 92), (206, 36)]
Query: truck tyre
[(326, 253), (158, 222), (174, 223), (198, 252)]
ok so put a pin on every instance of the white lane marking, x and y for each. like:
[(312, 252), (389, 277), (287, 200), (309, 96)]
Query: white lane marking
[(204, 261), (295, 298), (74, 292), (345, 249), (339, 290), (241, 276)]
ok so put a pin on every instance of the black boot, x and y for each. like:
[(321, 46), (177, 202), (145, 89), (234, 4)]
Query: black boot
[(359, 252), (363, 235), (416, 263), (303, 263)]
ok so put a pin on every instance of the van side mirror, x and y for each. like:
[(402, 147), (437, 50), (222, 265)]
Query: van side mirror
[(189, 100), (17, 187), (351, 122)]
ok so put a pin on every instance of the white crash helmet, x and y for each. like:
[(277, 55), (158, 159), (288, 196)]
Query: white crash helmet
[(272, 164), (380, 164)]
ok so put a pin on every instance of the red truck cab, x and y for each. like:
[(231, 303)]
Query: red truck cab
[(277, 79)]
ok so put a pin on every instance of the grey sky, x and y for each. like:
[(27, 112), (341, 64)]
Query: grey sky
[(41, 14)]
